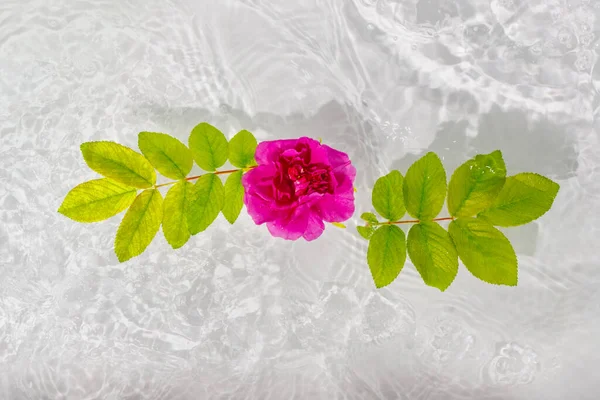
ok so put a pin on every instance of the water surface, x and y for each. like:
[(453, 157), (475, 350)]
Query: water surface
[(236, 314)]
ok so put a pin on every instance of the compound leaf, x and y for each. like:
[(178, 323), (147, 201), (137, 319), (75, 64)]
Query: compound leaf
[(207, 200), (432, 252), (166, 153), (475, 184), (524, 198), (140, 225), (119, 163), (386, 254), (175, 227), (234, 197), (241, 149), (485, 251), (387, 196), (208, 146), (425, 187), (97, 200)]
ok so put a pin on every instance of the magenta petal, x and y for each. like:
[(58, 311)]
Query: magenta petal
[(344, 171), (257, 184), (293, 193), (314, 228), (291, 228), (337, 159), (336, 208), (259, 210), (259, 180), (268, 152)]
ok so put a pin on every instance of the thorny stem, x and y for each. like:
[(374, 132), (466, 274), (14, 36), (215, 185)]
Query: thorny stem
[(412, 221), (191, 178)]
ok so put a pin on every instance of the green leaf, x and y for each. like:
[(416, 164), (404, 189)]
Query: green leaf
[(433, 254), (97, 200), (140, 225), (234, 197), (366, 231), (167, 154), (207, 200), (485, 251), (175, 227), (475, 184), (119, 163), (386, 254), (525, 197), (209, 146), (241, 149), (387, 196), (369, 217), (425, 187)]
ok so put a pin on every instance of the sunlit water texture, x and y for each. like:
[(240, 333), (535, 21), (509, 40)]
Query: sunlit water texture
[(236, 314)]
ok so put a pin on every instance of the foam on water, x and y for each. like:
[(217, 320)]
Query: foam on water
[(236, 314)]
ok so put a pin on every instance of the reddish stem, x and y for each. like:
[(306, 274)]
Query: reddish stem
[(191, 178), (416, 221)]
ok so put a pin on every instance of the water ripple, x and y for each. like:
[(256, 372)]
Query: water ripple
[(236, 314)]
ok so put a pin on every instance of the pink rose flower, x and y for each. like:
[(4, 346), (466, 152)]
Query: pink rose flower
[(298, 184)]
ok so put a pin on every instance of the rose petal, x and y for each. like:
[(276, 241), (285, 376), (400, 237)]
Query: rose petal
[(318, 154), (293, 227), (269, 199), (314, 228), (268, 151), (337, 159), (334, 208), (343, 170)]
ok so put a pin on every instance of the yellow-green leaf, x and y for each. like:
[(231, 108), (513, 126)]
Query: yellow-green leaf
[(207, 200), (425, 187), (366, 231), (97, 200), (209, 146), (485, 251), (475, 184), (174, 224), (234, 197), (166, 153), (386, 254), (387, 196), (432, 252), (119, 163), (369, 217), (241, 149), (140, 225), (524, 198)]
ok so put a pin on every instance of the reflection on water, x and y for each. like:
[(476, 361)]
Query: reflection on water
[(236, 314)]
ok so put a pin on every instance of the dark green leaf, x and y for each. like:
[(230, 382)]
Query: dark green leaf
[(485, 251), (386, 254), (167, 154), (387, 196), (175, 227), (425, 187), (524, 198), (119, 163), (234, 197), (475, 184), (140, 225), (433, 254), (97, 200), (241, 149), (209, 146), (207, 200)]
